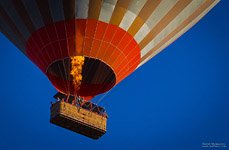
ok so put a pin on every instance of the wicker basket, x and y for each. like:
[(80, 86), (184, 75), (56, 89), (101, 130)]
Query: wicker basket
[(77, 119)]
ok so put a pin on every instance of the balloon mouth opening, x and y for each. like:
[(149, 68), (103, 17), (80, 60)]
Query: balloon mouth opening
[(97, 77)]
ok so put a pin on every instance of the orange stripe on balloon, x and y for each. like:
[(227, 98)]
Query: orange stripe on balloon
[(80, 34)]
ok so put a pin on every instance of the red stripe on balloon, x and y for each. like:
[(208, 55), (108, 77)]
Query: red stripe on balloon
[(91, 38)]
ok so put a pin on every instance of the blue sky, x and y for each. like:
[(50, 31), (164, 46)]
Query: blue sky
[(178, 100)]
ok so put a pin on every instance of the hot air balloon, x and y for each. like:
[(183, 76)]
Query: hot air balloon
[(86, 47)]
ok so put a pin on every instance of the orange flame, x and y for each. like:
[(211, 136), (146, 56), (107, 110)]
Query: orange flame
[(77, 63)]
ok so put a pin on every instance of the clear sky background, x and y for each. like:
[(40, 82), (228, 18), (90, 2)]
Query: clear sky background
[(176, 101)]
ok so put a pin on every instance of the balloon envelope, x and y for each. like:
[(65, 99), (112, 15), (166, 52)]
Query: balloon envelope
[(114, 36)]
